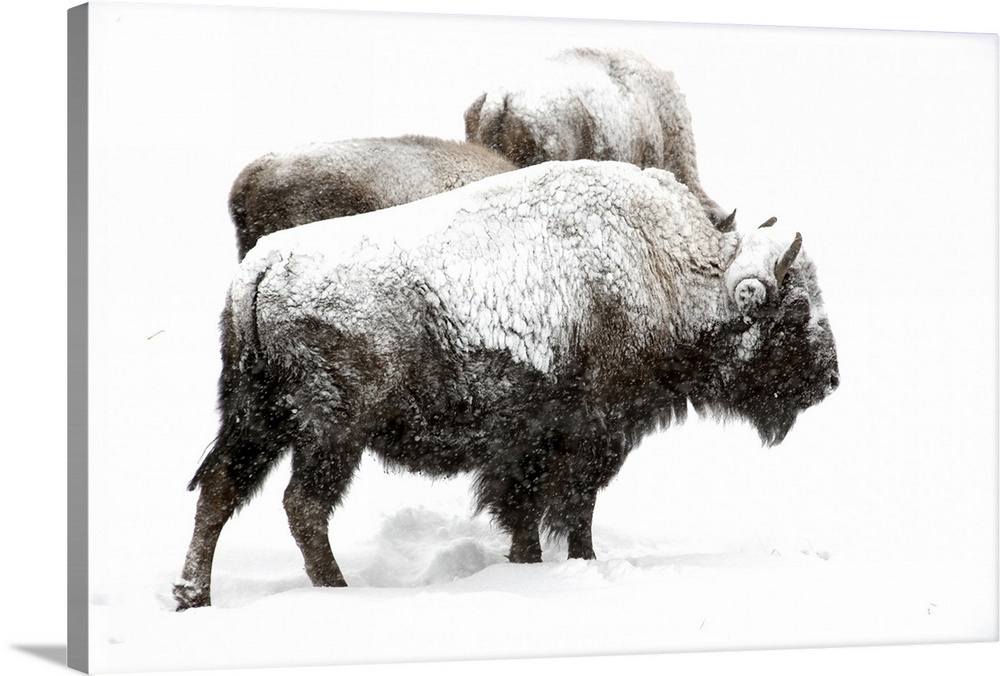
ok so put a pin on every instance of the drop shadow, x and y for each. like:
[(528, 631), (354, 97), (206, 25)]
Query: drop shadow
[(50, 653)]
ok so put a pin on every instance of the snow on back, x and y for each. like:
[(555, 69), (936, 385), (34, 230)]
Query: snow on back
[(511, 260)]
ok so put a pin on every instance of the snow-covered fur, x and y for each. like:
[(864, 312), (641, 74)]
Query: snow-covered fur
[(530, 329), (592, 104), (343, 178)]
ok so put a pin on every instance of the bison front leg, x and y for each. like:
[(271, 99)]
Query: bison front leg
[(585, 466), (581, 525), (525, 546), (509, 488), (317, 486), (216, 503)]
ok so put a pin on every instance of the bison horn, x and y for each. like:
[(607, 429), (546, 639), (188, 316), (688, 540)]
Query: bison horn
[(768, 223), (727, 223), (782, 266)]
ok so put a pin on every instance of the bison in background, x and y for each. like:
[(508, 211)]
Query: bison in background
[(354, 176), (530, 329), (586, 103)]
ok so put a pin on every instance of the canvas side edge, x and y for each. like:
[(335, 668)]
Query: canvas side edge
[(77, 652)]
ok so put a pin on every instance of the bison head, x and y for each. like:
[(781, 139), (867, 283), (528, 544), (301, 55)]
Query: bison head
[(781, 357)]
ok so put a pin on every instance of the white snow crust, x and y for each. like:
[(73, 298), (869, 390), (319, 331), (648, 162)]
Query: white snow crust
[(483, 256)]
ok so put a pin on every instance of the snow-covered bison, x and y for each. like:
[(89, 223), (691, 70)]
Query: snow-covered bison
[(342, 178), (529, 329), (586, 103)]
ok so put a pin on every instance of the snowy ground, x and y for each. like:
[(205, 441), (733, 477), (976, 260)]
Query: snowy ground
[(874, 523)]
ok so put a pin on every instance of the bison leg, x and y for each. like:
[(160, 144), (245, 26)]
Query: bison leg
[(520, 516), (319, 481), (217, 501), (509, 488), (525, 546), (580, 538), (584, 466)]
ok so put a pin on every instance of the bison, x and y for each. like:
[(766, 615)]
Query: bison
[(586, 103), (529, 329), (342, 178)]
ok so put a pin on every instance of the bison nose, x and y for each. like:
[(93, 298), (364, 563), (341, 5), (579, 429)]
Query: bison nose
[(834, 381)]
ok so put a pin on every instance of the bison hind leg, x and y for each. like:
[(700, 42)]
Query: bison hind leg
[(321, 475), (234, 470), (217, 502)]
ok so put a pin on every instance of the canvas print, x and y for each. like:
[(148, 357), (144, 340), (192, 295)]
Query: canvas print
[(415, 338)]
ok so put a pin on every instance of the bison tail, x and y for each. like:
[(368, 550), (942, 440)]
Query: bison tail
[(257, 424), (246, 461), (254, 433)]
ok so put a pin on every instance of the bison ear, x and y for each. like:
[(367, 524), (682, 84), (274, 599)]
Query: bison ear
[(472, 118), (728, 224), (750, 295)]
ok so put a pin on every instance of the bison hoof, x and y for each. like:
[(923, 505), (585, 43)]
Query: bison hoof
[(587, 554), (525, 555), (189, 596)]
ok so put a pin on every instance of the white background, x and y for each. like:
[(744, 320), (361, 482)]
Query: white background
[(922, 231)]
